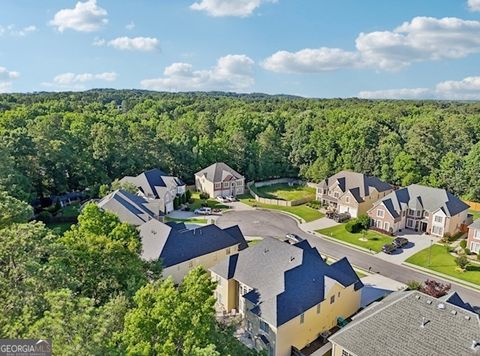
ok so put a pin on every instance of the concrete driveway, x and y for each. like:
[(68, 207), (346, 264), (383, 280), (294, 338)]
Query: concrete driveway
[(318, 224), (416, 243)]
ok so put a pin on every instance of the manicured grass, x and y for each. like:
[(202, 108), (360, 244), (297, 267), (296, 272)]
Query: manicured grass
[(375, 240), (286, 192), (476, 214), (59, 228), (443, 262), (189, 220), (212, 203), (302, 211), (70, 210)]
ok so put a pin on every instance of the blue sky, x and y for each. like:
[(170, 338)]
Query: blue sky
[(315, 48)]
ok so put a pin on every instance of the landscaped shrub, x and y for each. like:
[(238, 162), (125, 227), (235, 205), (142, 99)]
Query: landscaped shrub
[(314, 204), (478, 256), (467, 251), (188, 195), (176, 203), (204, 196), (44, 216), (353, 226), (364, 221), (414, 285), (461, 261), (463, 243)]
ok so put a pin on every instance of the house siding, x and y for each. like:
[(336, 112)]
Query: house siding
[(473, 242)]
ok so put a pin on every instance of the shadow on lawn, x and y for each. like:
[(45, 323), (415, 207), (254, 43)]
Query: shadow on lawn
[(472, 268)]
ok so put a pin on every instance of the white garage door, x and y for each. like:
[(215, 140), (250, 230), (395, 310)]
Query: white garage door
[(348, 209), (169, 207)]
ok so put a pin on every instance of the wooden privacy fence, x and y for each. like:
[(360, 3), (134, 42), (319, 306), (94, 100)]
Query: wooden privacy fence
[(275, 201), (474, 205)]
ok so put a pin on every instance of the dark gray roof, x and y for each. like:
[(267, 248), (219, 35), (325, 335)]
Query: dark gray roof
[(419, 197), (394, 327), (177, 244), (154, 182), (128, 207), (287, 279), (358, 184), (219, 172), (455, 299)]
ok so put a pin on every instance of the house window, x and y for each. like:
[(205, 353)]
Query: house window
[(419, 213), (438, 219), (386, 226), (475, 247), (302, 318), (476, 234), (239, 183), (347, 199), (338, 295), (227, 251), (378, 224), (218, 185), (336, 194), (411, 212), (437, 230), (425, 213), (332, 299), (380, 213), (346, 353), (404, 213), (264, 326), (409, 223), (318, 308), (225, 184)]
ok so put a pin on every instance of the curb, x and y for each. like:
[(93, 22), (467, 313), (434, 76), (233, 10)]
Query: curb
[(340, 242), (296, 217), (469, 285)]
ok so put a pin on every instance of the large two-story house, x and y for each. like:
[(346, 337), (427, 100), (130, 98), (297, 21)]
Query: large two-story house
[(420, 208), (473, 242), (219, 179), (287, 294), (158, 187), (351, 192)]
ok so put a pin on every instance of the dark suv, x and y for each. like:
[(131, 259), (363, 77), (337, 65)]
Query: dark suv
[(400, 242), (389, 248)]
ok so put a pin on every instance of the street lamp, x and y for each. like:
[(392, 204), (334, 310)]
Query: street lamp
[(430, 253)]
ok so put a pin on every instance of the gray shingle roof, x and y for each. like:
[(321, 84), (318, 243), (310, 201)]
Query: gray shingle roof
[(287, 279), (128, 207), (154, 182), (219, 172), (394, 327), (358, 184), (174, 245), (421, 197)]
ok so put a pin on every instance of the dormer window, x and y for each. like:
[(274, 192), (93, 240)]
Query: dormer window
[(380, 213), (336, 195)]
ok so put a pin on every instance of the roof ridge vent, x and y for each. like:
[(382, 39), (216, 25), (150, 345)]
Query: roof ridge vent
[(441, 306), (429, 302), (467, 317), (454, 312), (266, 250)]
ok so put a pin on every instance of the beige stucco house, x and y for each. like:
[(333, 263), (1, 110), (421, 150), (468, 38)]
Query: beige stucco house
[(420, 208), (219, 180), (351, 192), (286, 294)]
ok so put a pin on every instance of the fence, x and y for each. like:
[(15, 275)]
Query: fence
[(276, 201), (474, 205)]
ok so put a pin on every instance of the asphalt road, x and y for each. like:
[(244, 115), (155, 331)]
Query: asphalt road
[(265, 223)]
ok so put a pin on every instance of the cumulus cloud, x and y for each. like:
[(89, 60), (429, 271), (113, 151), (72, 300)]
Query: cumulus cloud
[(145, 44), (465, 89), (219, 8), (74, 81), (404, 93), (84, 17), (232, 72), (474, 5), (311, 60), (421, 39), (12, 30), (6, 77)]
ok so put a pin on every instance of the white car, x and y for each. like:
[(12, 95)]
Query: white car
[(203, 211), (231, 198), (221, 199)]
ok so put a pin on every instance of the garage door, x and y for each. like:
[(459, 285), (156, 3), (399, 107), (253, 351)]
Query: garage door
[(169, 207), (347, 209)]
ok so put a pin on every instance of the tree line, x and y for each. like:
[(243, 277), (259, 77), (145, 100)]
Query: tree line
[(57, 142)]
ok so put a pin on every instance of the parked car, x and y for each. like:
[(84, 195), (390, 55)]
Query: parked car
[(400, 242), (293, 238), (231, 198), (203, 211), (341, 217), (389, 248), (221, 199)]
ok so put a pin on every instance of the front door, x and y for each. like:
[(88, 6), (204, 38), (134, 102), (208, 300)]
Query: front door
[(423, 226)]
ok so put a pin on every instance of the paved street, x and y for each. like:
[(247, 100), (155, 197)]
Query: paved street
[(267, 223)]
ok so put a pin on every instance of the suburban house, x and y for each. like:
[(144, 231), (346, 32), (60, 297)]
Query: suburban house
[(129, 208), (181, 249), (158, 187), (473, 242), (351, 192), (286, 294), (424, 209), (410, 324), (219, 180)]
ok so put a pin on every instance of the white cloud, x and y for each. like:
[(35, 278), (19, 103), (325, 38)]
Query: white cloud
[(6, 77), (232, 72), (145, 44), (474, 5), (311, 60), (219, 8), (421, 39), (12, 30), (130, 26), (465, 89), (404, 93), (84, 17), (72, 78)]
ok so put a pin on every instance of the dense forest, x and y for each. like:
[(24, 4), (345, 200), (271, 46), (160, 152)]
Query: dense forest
[(52, 143)]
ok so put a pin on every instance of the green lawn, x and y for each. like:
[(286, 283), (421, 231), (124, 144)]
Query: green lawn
[(286, 192), (190, 220), (70, 210), (476, 214), (302, 211), (443, 262), (59, 228), (212, 203), (375, 239)]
